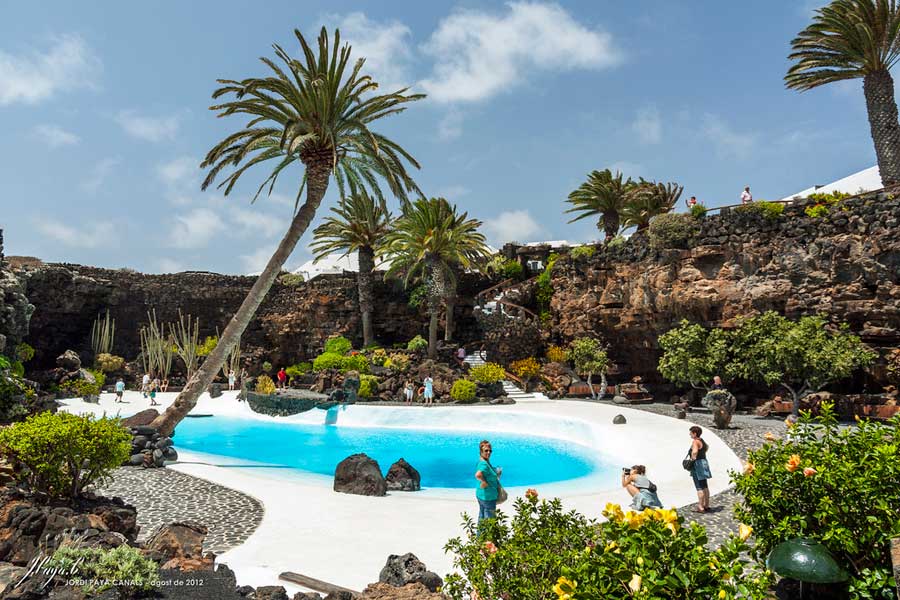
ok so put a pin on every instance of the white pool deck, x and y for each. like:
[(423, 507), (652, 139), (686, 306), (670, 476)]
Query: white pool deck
[(345, 539)]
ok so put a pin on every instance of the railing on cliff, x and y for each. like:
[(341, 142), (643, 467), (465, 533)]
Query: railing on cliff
[(521, 310), (888, 188), (480, 296)]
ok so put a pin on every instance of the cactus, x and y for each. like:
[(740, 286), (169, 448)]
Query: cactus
[(103, 333)]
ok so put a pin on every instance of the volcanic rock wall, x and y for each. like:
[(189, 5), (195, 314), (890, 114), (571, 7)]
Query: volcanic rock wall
[(845, 266), (15, 310), (291, 325)]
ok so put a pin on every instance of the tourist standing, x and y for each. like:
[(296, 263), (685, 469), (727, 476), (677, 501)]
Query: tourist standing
[(746, 196), (408, 390), (165, 385), (692, 202), (461, 355), (120, 390), (700, 472), (145, 384), (488, 483), (231, 380), (429, 390), (154, 385), (153, 401), (282, 377), (642, 490), (717, 383)]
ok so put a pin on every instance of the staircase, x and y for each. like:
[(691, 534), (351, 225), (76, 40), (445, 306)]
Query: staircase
[(509, 388)]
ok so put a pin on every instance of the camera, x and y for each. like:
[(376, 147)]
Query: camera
[(626, 471)]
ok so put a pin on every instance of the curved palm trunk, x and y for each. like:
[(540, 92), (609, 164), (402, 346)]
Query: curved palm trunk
[(878, 87), (317, 182), (366, 297), (610, 225)]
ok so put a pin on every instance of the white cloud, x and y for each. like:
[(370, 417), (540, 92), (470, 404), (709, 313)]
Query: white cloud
[(178, 172), (648, 125), (385, 46), (195, 229), (90, 236), (257, 222), (255, 262), (151, 129), (516, 225), (628, 169), (451, 192), (55, 136), (450, 126), (727, 140), (68, 64), (479, 55), (99, 174)]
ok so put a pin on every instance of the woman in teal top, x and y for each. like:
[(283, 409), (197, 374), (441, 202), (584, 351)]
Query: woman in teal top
[(488, 483)]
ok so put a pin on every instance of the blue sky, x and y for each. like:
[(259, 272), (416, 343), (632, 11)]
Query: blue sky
[(104, 114)]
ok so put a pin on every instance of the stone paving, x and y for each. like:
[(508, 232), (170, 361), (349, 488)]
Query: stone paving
[(164, 496)]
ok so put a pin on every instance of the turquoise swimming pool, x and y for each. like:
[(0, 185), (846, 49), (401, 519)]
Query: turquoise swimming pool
[(444, 458)]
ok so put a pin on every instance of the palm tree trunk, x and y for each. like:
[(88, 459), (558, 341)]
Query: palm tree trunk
[(366, 298), (879, 90), (610, 225), (317, 174), (435, 292), (450, 304)]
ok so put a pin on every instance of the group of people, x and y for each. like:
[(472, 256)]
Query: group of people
[(426, 391), (149, 387), (643, 492)]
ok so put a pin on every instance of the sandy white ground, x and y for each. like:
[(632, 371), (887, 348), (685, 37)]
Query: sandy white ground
[(345, 539)]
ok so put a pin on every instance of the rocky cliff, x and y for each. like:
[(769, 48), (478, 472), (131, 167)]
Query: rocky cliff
[(845, 265), (15, 310)]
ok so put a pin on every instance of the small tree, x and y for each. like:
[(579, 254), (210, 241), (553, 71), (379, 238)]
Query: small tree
[(801, 356), (693, 355), (589, 357)]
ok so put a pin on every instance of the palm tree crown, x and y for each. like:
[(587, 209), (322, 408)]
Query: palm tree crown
[(602, 194), (648, 199), (359, 222), (852, 39)]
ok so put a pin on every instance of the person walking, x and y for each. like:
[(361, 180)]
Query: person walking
[(700, 472), (746, 196), (429, 390), (231, 378), (282, 377), (145, 384), (120, 390), (153, 386), (488, 482)]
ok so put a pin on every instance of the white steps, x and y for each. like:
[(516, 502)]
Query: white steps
[(509, 388)]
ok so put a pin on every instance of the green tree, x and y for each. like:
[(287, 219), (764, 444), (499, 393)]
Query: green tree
[(589, 357), (648, 199), (602, 194), (359, 223), (315, 111), (693, 355), (801, 356), (852, 39), (432, 241)]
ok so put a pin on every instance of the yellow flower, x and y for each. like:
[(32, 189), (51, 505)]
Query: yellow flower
[(668, 515), (789, 422), (635, 584), (749, 468), (634, 520), (769, 437), (722, 594), (640, 561), (564, 588), (672, 527), (613, 512), (792, 463), (744, 532), (610, 546)]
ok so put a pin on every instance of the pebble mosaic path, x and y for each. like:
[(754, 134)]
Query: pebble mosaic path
[(164, 496)]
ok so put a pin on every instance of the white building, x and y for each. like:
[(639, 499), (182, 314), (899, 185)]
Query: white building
[(864, 181)]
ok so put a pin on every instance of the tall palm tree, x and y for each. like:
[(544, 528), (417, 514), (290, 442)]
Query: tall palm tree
[(360, 223), (314, 111), (851, 39), (431, 241), (646, 200), (602, 194)]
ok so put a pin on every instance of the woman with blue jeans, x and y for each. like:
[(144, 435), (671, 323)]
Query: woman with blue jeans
[(488, 483), (700, 470)]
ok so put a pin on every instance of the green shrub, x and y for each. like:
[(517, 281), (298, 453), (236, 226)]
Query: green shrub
[(616, 242), (298, 369), (817, 211), (768, 210), (327, 360), (417, 344), (109, 363), (526, 368), (512, 269), (368, 386), (698, 211), (397, 361), (24, 352), (355, 362), (208, 345), (546, 553), (582, 252), (265, 385), (81, 388), (102, 567), (671, 230), (487, 373), (64, 453), (840, 486), (291, 279), (418, 295), (832, 198), (557, 354), (378, 357), (338, 344), (267, 366), (463, 390), (544, 290), (18, 369)]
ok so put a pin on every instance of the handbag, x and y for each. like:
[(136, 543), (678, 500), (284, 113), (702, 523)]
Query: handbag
[(502, 496), (688, 462)]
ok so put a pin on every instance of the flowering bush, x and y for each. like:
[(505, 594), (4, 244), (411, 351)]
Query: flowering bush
[(417, 344), (338, 344), (557, 354), (544, 553), (397, 361), (368, 386), (463, 390), (208, 345), (487, 373), (378, 357), (838, 486), (526, 368), (265, 385), (582, 252)]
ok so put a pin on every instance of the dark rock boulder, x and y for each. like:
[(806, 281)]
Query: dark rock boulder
[(215, 390), (411, 591), (270, 592), (402, 570), (402, 476), (68, 360), (619, 420), (180, 546), (143, 418), (307, 596), (361, 475)]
